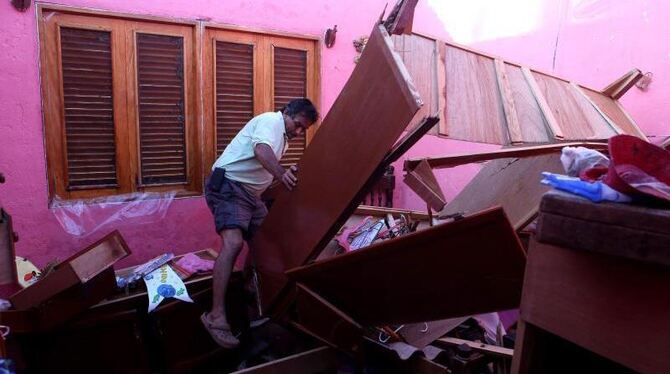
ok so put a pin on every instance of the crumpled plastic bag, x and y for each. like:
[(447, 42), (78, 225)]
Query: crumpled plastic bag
[(577, 160)]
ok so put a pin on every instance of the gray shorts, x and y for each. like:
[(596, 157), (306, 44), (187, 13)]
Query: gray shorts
[(234, 207)]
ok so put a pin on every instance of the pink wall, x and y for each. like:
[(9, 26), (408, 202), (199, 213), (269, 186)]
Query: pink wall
[(598, 41)]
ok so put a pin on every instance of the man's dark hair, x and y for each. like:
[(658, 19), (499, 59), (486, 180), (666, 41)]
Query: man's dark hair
[(301, 106)]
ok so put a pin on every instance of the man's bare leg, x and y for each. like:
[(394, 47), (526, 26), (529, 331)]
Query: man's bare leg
[(223, 267)]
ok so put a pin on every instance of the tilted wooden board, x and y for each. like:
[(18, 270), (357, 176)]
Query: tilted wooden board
[(474, 265), (513, 183), (375, 106), (483, 98)]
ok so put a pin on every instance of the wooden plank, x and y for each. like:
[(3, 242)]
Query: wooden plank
[(615, 112), (620, 86), (369, 210), (511, 183), (478, 347), (421, 334), (473, 109), (320, 318), (419, 56), (423, 182), (369, 115), (409, 139), (477, 259), (534, 128), (569, 116), (322, 359), (466, 158), (609, 121), (504, 87), (549, 118), (605, 304)]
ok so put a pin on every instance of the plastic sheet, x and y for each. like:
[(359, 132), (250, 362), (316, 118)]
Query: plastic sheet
[(575, 160), (82, 218)]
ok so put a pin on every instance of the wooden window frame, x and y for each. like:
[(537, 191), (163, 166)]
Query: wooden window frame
[(198, 87), (125, 91), (263, 42)]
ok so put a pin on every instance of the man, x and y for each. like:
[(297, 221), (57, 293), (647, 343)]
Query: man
[(239, 176)]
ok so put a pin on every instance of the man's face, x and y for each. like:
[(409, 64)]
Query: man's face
[(296, 125)]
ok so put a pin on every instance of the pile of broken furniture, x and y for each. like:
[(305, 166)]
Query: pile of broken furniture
[(467, 258)]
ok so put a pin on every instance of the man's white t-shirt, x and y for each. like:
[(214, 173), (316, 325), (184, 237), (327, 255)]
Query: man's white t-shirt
[(238, 158)]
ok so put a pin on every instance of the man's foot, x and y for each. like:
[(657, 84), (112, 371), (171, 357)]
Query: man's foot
[(220, 332)]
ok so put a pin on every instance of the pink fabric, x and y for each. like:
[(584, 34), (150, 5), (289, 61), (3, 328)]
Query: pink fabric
[(194, 264)]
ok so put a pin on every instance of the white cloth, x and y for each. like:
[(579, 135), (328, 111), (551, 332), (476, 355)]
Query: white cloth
[(238, 158)]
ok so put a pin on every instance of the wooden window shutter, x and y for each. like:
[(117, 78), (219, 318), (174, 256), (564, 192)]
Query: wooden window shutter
[(160, 81), (290, 82), (86, 60), (234, 90)]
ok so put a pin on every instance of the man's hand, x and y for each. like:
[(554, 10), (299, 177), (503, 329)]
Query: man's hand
[(289, 177)]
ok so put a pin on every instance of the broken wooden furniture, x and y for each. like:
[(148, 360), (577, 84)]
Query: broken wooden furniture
[(510, 179), (477, 260), (483, 98), (347, 153), (596, 297)]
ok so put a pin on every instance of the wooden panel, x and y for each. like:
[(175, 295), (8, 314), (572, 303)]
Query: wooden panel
[(474, 110), (584, 297), (422, 334), (88, 105), (531, 121), (474, 265), (234, 79), (419, 54), (369, 115), (290, 82), (160, 99), (509, 107), (325, 321), (615, 113), (512, 183), (423, 182), (576, 118)]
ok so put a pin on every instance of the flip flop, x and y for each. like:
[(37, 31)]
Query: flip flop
[(220, 333)]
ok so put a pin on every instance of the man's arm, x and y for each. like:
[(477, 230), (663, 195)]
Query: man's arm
[(267, 158)]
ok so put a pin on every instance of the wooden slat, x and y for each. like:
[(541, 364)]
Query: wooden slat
[(160, 93), (511, 183), (580, 92), (369, 115), (466, 158), (547, 113), (88, 107), (620, 86), (509, 107), (576, 118), (615, 112), (473, 265), (290, 82), (478, 347), (423, 182), (234, 90), (473, 111)]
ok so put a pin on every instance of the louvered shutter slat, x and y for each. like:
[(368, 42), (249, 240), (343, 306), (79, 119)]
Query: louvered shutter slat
[(86, 61), (290, 82), (160, 79), (234, 90)]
